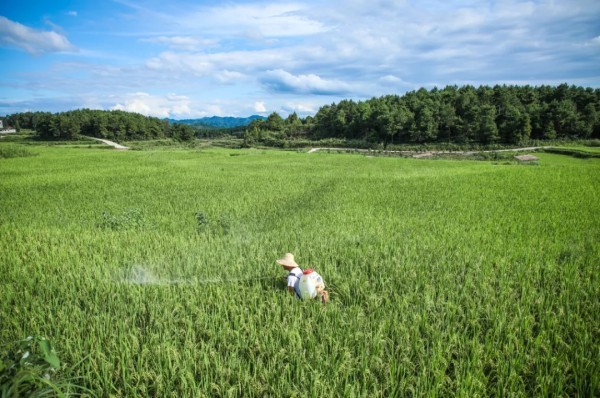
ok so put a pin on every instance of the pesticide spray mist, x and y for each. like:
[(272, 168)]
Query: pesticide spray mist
[(142, 275)]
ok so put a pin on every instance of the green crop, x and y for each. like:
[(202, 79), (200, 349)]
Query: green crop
[(446, 278)]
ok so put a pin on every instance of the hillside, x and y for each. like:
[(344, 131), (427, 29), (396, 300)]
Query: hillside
[(218, 122)]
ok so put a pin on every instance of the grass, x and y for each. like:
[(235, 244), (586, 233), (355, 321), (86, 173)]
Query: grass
[(447, 278), (583, 148), (578, 152)]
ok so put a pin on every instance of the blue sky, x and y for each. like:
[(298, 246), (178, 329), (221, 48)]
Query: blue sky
[(186, 59)]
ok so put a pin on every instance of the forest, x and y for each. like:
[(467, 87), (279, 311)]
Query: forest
[(484, 115), (114, 125), (502, 114)]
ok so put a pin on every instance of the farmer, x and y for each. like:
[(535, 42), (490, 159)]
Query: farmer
[(305, 284)]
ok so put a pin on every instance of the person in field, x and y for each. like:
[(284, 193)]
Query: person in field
[(307, 284)]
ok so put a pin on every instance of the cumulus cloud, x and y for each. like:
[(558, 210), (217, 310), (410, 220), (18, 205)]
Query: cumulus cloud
[(302, 54), (282, 81), (212, 110), (162, 106), (301, 108), (259, 107), (32, 40), (369, 43), (484, 41)]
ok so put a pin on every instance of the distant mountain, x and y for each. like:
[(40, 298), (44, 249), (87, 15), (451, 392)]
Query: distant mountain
[(217, 122)]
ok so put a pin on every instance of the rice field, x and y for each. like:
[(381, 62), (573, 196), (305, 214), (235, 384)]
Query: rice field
[(153, 272)]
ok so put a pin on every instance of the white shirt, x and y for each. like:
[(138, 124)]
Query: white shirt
[(293, 279)]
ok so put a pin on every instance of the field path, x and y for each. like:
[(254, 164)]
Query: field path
[(429, 153), (113, 144)]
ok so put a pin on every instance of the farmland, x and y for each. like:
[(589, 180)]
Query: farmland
[(153, 272)]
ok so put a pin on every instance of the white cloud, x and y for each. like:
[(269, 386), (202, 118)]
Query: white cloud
[(361, 41), (228, 76), (260, 20), (301, 108), (207, 64), (171, 105), (283, 81), (254, 34), (212, 110), (268, 19), (187, 43), (72, 13), (301, 54), (259, 106), (391, 79), (465, 18), (199, 65), (32, 40)]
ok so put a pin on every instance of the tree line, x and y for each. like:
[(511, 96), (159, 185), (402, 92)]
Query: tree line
[(484, 115), (461, 115), (114, 125)]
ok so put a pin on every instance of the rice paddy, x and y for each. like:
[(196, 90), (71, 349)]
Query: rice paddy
[(153, 272)]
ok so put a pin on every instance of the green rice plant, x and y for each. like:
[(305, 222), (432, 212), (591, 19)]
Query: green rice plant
[(582, 152), (446, 278), (14, 151), (131, 218), (205, 225)]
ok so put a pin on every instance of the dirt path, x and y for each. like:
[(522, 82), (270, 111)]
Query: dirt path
[(113, 144), (430, 153)]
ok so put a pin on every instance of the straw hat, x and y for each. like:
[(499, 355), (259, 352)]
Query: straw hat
[(287, 261)]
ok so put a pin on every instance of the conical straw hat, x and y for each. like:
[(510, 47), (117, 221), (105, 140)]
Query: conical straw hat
[(288, 260)]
